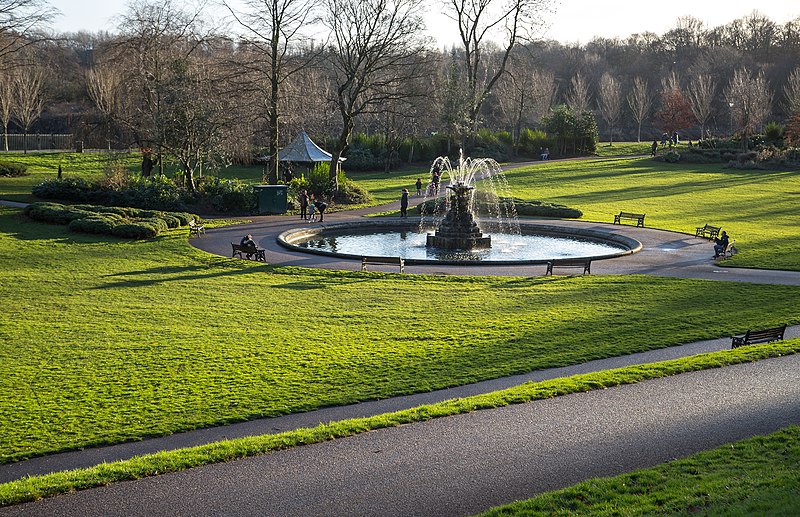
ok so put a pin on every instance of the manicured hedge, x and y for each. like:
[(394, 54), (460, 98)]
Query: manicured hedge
[(130, 223)]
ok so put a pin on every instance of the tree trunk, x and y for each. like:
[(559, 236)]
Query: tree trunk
[(341, 147)]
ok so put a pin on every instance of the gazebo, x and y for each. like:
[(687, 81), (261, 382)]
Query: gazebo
[(303, 150)]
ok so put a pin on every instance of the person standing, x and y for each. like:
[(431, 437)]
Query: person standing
[(303, 205), (404, 203), (654, 147), (419, 187)]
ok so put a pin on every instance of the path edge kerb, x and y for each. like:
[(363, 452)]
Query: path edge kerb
[(289, 238)]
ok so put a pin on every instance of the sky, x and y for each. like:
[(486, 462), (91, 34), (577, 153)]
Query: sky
[(572, 20)]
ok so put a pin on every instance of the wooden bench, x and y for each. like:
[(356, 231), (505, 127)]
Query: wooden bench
[(729, 251), (758, 336), (707, 231), (393, 261), (195, 228), (250, 252), (628, 215), (586, 264)]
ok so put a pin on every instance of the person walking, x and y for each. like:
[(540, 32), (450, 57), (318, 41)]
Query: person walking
[(654, 147), (404, 203), (303, 204), (419, 187)]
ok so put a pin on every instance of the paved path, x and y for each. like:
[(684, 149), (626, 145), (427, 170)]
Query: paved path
[(664, 253), (97, 455), (467, 463)]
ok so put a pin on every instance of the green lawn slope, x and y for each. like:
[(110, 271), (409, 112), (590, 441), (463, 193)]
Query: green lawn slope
[(104, 340), (758, 476), (759, 209)]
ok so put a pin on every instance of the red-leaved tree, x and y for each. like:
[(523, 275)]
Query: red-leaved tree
[(675, 113)]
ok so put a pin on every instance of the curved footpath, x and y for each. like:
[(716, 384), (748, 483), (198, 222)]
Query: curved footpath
[(664, 253), (468, 463)]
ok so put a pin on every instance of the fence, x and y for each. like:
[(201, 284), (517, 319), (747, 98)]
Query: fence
[(37, 142)]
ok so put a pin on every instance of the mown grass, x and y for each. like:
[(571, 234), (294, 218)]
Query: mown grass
[(36, 487), (44, 166), (607, 149), (105, 340), (759, 209), (757, 476)]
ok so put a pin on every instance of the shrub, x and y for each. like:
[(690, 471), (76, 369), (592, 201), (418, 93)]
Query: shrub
[(227, 195), (139, 230), (531, 142), (672, 157), (773, 133), (55, 213), (71, 189), (13, 169), (352, 193), (105, 220), (543, 209), (102, 224)]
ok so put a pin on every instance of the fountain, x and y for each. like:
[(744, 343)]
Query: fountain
[(459, 230), (458, 235)]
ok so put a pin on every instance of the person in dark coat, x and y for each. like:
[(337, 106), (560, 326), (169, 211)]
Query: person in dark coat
[(720, 244), (303, 205), (419, 186), (654, 148), (321, 206), (404, 203)]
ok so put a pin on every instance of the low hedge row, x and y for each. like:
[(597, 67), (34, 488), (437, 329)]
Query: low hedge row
[(523, 208), (10, 169), (129, 223)]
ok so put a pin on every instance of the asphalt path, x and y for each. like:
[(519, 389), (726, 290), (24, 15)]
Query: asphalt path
[(468, 463)]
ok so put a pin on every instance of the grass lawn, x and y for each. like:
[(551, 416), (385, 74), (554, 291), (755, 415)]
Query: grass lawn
[(626, 148), (44, 166), (104, 340), (758, 476), (35, 487), (759, 209)]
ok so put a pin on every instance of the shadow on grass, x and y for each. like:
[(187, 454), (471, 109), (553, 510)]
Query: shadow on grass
[(179, 273)]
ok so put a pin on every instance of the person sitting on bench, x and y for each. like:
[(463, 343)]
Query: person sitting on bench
[(720, 244), (247, 240)]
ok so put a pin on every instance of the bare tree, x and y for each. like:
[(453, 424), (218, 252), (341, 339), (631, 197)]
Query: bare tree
[(610, 103), (374, 45), (750, 101), (19, 22), (791, 92), (274, 28), (701, 93), (578, 97), (28, 100), (640, 103), (524, 94), (6, 103), (505, 21)]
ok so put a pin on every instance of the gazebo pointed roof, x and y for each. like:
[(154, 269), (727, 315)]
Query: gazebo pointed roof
[(303, 149)]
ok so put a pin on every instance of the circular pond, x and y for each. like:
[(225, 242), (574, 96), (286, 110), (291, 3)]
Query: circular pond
[(535, 243)]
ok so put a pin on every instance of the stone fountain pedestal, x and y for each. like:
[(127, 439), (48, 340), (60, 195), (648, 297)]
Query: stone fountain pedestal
[(459, 230)]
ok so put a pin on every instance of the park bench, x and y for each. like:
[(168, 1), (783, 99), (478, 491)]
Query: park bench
[(393, 261), (628, 215), (250, 252), (707, 231), (584, 263), (195, 228), (729, 251), (758, 336)]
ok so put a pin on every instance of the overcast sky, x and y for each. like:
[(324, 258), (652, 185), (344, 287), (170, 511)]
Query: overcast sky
[(572, 21)]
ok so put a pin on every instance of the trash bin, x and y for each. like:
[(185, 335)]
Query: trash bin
[(272, 199)]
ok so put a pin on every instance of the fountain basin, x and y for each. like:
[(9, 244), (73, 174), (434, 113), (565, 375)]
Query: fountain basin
[(537, 244)]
